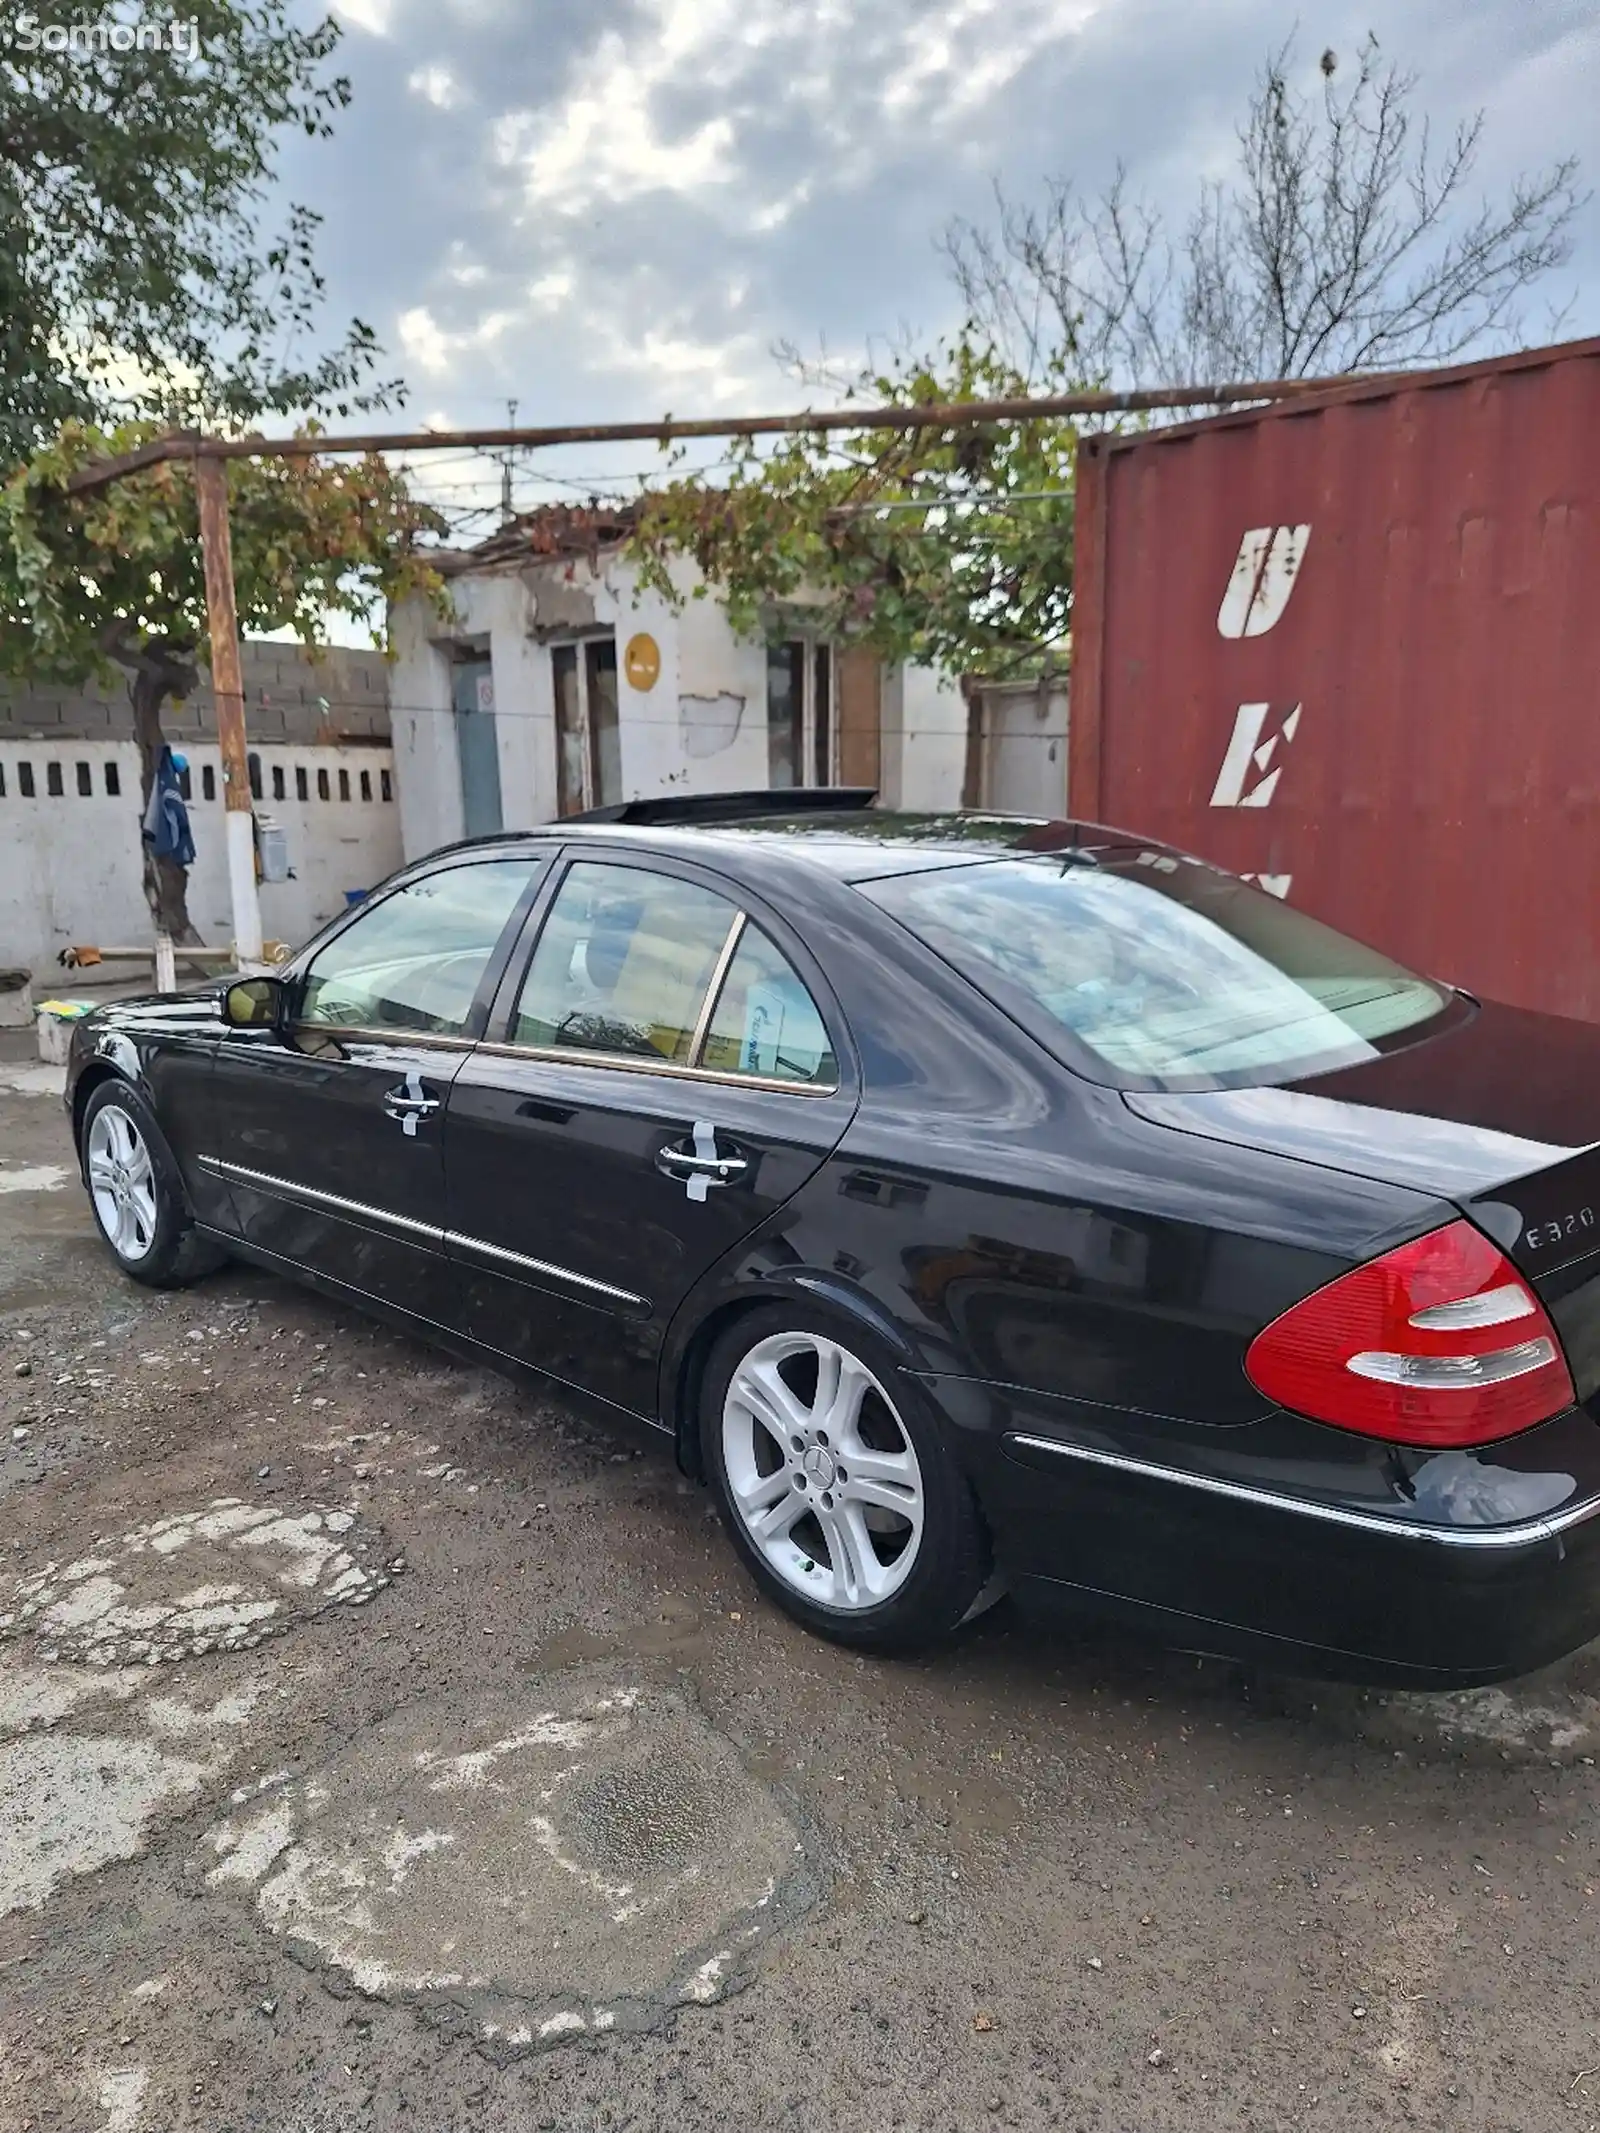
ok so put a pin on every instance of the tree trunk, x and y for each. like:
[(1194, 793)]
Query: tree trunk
[(158, 675)]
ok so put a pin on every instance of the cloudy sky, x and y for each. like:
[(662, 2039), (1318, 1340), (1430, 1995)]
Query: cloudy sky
[(609, 208)]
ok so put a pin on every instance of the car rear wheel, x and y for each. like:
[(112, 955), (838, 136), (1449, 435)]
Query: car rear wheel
[(136, 1192), (836, 1485)]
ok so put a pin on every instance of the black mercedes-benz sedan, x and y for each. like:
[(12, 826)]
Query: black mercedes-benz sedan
[(974, 1202)]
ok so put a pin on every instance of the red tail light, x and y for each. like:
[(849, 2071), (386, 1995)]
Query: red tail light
[(1439, 1342)]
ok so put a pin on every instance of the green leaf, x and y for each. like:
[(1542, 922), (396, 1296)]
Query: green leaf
[(114, 577), (145, 269), (952, 547)]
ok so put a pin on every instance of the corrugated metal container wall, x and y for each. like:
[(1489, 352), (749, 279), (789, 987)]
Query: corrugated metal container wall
[(1353, 649)]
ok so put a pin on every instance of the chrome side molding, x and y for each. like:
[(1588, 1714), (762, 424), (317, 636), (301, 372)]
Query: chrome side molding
[(1545, 1527), (440, 1239), (313, 1196)]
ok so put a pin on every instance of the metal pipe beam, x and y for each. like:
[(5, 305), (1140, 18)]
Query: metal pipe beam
[(961, 414)]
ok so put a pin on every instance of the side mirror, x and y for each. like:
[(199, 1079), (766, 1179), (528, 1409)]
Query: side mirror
[(255, 1003)]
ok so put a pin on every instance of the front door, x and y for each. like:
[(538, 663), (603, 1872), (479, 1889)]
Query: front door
[(477, 748), (330, 1131), (663, 1080)]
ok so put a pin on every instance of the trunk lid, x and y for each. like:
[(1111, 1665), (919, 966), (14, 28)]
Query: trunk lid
[(1500, 1117)]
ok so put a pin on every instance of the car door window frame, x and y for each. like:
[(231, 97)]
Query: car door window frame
[(747, 910), (539, 858)]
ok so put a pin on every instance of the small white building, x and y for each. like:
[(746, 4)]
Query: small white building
[(556, 683)]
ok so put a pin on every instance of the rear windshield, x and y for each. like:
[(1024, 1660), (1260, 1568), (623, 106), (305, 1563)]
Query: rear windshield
[(1163, 973)]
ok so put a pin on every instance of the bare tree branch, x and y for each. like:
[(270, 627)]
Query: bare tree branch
[(1346, 240)]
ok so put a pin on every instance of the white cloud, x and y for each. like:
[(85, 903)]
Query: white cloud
[(373, 15), (674, 366), (437, 85), (866, 77), (777, 212), (422, 339), (604, 141), (746, 112), (621, 209), (461, 267), (437, 350), (619, 330), (965, 50)]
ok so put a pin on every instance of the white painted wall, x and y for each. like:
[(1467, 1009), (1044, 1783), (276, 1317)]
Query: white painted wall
[(924, 739), (422, 732), (1023, 764), (701, 728), (71, 867)]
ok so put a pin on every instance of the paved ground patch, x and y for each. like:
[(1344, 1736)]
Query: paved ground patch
[(71, 1801), (220, 1578), (584, 1856), (32, 1177)]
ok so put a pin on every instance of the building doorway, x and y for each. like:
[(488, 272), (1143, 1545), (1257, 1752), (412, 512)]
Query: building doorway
[(800, 721), (477, 747), (588, 736)]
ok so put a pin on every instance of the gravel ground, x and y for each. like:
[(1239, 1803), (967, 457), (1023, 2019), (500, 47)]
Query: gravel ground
[(383, 1746)]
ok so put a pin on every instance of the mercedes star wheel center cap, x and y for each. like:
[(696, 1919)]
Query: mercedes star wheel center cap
[(819, 1467)]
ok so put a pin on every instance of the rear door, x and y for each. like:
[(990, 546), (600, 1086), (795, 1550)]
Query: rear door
[(329, 1133), (665, 1069)]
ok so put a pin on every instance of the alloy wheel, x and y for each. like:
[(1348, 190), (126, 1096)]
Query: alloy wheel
[(822, 1473), (122, 1183)]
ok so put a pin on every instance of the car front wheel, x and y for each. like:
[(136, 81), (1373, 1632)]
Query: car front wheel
[(835, 1483), (136, 1192)]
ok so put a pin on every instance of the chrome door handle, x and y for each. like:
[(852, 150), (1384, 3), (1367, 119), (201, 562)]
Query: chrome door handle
[(701, 1165), (409, 1104), (717, 1169)]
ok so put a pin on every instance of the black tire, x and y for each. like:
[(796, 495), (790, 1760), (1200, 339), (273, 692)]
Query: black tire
[(951, 1562), (176, 1253)]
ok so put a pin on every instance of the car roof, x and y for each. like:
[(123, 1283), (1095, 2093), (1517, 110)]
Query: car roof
[(858, 844)]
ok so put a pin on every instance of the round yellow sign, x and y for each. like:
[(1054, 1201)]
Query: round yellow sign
[(641, 662)]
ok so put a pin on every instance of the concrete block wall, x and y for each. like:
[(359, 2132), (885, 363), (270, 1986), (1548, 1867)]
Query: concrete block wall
[(285, 692)]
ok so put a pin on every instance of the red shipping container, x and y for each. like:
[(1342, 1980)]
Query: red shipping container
[(1351, 647)]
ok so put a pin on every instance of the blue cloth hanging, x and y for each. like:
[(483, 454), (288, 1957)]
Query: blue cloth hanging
[(166, 819)]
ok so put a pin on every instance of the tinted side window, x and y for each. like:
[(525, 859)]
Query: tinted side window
[(623, 964), (765, 1022), (413, 961)]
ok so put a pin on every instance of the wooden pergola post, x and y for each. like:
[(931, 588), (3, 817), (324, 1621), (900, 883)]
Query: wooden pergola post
[(227, 686)]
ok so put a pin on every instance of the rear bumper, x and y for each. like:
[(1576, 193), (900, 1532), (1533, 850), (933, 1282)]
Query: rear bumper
[(1236, 1567)]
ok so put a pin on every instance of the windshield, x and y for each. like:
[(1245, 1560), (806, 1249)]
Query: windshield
[(1167, 973)]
